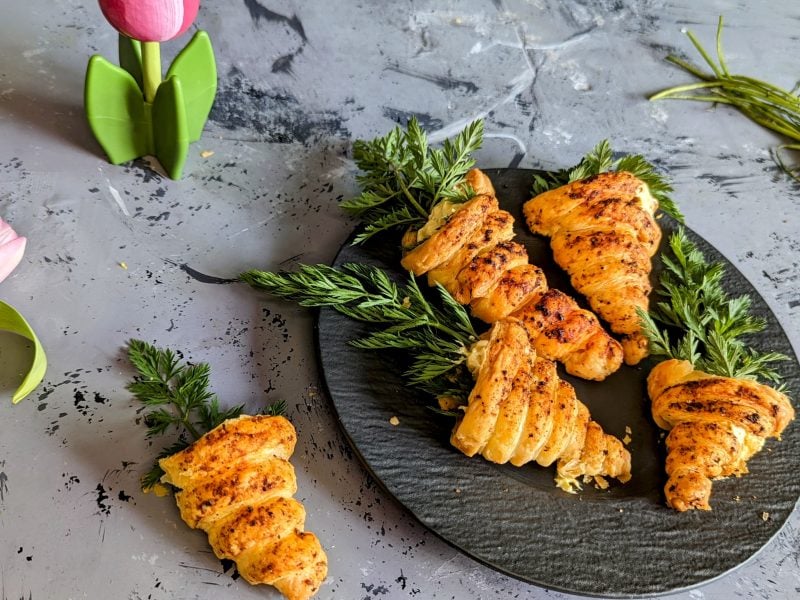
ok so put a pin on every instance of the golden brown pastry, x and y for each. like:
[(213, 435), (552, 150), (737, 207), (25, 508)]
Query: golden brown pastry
[(468, 249), (236, 484), (716, 424), (520, 411), (603, 233)]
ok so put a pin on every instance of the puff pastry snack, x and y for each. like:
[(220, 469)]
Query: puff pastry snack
[(520, 411), (715, 425), (603, 233), (236, 484)]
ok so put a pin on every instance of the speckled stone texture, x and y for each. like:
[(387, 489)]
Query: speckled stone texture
[(299, 81)]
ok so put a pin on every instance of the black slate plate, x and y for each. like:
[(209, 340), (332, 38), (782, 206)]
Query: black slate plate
[(622, 542)]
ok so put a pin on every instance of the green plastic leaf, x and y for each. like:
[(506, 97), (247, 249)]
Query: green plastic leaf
[(11, 320), (197, 70), (170, 133), (117, 112), (130, 57)]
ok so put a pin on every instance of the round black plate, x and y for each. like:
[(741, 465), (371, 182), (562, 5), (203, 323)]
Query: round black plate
[(622, 542)]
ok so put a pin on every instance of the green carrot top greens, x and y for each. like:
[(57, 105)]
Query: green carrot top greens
[(697, 320), (403, 178), (766, 104), (601, 160), (178, 400), (436, 335)]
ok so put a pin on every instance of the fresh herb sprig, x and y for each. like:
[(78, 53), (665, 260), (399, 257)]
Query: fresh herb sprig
[(436, 336), (177, 397), (768, 105), (697, 320), (601, 160), (403, 178)]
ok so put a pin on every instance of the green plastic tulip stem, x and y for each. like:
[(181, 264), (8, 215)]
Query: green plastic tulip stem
[(151, 69), (133, 112)]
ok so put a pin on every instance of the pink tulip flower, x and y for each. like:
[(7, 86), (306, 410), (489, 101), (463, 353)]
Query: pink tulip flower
[(150, 20), (12, 247)]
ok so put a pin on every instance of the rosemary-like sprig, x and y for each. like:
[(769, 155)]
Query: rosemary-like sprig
[(601, 160), (768, 105), (436, 336), (697, 320), (403, 178), (178, 400)]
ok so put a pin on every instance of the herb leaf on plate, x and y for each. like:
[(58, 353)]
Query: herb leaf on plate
[(699, 322), (435, 334)]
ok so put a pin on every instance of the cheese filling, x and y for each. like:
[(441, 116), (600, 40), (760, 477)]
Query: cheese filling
[(438, 217), (646, 199), (476, 356)]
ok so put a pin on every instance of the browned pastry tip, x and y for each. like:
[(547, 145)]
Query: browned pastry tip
[(561, 330)]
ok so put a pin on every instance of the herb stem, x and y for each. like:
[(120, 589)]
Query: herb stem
[(407, 193), (703, 53), (764, 103), (189, 426)]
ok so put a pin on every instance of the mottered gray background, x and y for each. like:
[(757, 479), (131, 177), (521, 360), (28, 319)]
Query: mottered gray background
[(298, 82)]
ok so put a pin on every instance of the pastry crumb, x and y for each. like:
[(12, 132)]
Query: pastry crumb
[(627, 439), (123, 265), (765, 516), (159, 489), (449, 403), (206, 153), (457, 490), (394, 421)]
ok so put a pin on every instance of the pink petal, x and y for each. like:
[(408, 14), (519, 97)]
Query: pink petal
[(190, 8), (10, 255), (150, 20), (6, 233)]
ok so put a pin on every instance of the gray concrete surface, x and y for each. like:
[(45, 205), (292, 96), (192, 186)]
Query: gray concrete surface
[(298, 82)]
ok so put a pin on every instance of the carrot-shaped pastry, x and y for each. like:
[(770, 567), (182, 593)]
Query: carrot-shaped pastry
[(457, 235), (706, 394), (509, 403), (519, 411), (715, 425), (603, 233), (235, 481)]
